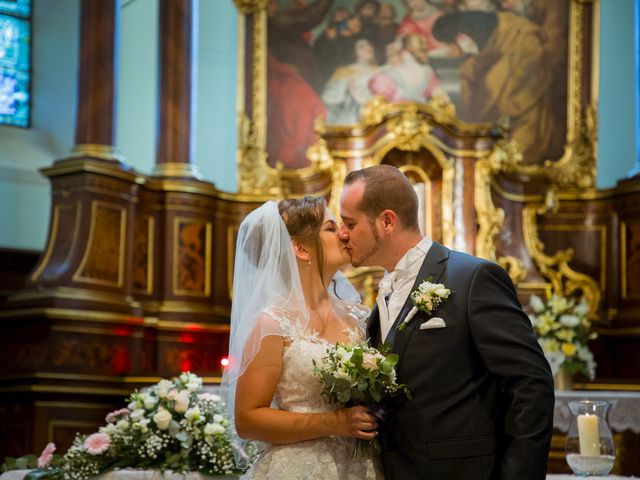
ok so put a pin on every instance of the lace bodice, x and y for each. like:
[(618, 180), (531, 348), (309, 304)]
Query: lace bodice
[(299, 391)]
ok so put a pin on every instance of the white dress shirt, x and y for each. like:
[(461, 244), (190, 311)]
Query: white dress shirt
[(402, 279)]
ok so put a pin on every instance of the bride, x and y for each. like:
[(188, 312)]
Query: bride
[(290, 304)]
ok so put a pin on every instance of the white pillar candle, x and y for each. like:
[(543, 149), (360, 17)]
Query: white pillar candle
[(588, 435)]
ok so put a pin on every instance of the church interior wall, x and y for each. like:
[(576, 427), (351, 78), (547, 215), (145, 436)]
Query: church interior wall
[(618, 89), (26, 198)]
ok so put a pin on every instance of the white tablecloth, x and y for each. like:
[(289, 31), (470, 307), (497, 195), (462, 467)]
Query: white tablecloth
[(575, 477), (623, 415)]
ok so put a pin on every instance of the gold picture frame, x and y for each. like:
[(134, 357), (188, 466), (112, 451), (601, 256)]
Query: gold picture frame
[(575, 167)]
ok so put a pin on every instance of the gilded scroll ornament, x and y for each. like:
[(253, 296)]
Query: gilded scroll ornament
[(504, 157), (409, 129), (578, 166), (564, 280), (439, 107), (514, 267), (255, 176)]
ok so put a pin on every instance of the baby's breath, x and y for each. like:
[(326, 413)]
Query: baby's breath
[(171, 426)]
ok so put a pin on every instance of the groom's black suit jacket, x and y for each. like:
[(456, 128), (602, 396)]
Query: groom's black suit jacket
[(482, 389)]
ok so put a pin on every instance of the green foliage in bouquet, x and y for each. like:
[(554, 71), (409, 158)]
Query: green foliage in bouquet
[(171, 426), (26, 462), (358, 373), (563, 329), (355, 374)]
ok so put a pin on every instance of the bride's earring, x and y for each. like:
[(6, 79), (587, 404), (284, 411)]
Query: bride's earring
[(309, 262)]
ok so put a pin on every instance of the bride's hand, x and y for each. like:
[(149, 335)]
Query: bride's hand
[(356, 422)]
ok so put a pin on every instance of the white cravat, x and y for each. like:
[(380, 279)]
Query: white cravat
[(397, 285), (384, 290)]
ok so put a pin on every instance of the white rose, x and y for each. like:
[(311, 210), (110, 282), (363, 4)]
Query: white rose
[(442, 293), (582, 308), (182, 402), (163, 388), (137, 414), (569, 321), (162, 419), (192, 414), (536, 303), (193, 386), (133, 405), (109, 429), (149, 402), (122, 424), (213, 428), (218, 418)]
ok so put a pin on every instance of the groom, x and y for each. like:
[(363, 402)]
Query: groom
[(482, 389)]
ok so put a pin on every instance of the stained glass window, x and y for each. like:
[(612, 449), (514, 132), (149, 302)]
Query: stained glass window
[(15, 62)]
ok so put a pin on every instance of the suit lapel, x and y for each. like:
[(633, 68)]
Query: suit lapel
[(431, 270), (373, 327)]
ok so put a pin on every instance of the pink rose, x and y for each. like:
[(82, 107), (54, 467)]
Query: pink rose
[(97, 443), (112, 417), (369, 361), (47, 455)]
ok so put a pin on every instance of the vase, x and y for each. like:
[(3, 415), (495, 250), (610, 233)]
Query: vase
[(589, 445), (563, 380)]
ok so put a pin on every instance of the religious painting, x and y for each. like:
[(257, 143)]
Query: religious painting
[(493, 59)]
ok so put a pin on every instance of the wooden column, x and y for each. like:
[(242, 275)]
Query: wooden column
[(95, 122), (175, 122)]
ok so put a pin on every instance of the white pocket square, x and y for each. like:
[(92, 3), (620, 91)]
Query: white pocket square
[(435, 322)]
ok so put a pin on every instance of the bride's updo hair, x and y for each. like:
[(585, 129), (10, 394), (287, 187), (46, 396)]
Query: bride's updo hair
[(303, 218)]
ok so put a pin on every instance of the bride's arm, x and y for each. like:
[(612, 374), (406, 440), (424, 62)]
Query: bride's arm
[(255, 418)]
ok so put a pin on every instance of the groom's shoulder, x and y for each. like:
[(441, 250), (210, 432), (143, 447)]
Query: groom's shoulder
[(466, 259)]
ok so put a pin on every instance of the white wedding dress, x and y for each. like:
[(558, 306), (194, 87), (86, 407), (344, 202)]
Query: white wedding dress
[(299, 391)]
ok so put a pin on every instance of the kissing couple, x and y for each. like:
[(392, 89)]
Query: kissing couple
[(482, 391)]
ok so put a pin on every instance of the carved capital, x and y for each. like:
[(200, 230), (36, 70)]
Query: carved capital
[(250, 6)]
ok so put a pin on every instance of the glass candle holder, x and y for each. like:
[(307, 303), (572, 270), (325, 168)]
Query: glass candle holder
[(590, 447)]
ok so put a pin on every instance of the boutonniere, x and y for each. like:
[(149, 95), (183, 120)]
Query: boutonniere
[(426, 298)]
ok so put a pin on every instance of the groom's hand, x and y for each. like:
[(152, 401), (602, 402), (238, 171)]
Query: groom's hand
[(357, 422)]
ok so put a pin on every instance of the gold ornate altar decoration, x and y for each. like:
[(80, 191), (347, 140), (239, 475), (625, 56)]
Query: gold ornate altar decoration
[(478, 194)]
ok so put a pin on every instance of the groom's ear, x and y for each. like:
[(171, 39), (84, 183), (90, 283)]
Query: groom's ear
[(300, 251), (389, 220)]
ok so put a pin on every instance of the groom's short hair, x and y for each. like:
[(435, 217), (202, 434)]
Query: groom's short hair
[(386, 188)]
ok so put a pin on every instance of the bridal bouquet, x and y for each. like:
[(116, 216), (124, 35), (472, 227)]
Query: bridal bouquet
[(563, 329), (171, 426), (355, 374)]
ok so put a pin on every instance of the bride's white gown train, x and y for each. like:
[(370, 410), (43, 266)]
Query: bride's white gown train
[(299, 391)]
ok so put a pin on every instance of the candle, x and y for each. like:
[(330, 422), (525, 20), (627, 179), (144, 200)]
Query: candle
[(588, 435)]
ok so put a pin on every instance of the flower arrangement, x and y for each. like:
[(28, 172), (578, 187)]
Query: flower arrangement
[(171, 426), (355, 374), (563, 329), (426, 298)]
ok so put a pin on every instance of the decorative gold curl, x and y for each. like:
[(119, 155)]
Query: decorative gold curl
[(564, 280), (255, 177)]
